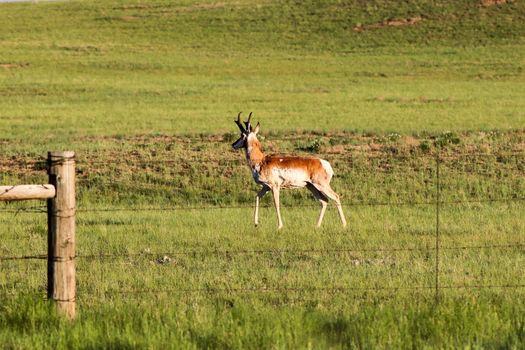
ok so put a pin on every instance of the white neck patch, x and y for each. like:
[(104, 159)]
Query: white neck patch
[(251, 139)]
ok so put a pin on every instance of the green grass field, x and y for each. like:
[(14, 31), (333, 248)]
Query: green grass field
[(119, 68), (145, 94)]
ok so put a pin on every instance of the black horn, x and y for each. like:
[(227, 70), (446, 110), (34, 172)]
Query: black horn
[(238, 122), (247, 123)]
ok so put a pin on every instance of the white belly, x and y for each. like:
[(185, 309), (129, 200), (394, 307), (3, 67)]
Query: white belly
[(290, 178)]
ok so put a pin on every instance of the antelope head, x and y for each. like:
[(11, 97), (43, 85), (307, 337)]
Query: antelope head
[(246, 130)]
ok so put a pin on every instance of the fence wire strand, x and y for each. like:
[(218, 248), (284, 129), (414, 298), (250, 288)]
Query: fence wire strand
[(335, 157), (24, 257), (316, 206), (285, 290), (295, 251), (440, 158), (43, 209)]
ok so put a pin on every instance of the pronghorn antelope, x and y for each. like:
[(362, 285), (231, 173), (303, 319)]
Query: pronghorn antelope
[(274, 172)]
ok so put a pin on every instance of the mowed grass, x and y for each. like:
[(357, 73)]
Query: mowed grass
[(168, 257)]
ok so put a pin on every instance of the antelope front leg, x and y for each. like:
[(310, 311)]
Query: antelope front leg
[(275, 191), (260, 194)]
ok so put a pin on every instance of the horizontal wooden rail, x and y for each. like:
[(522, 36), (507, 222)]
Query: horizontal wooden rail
[(61, 207), (26, 192)]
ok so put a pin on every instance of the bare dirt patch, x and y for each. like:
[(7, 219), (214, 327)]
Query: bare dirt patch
[(13, 65), (410, 142), (487, 3), (420, 99), (389, 23), (209, 6), (337, 149), (219, 5), (375, 147), (206, 6), (129, 18), (81, 48), (134, 7)]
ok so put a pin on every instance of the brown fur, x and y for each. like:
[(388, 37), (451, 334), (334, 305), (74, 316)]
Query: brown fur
[(312, 166)]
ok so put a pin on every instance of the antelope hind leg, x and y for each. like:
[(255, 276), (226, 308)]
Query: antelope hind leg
[(328, 192), (321, 198)]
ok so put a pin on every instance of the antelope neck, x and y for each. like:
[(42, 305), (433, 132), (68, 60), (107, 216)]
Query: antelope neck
[(254, 154)]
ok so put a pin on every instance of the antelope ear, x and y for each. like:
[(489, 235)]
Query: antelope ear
[(256, 130)]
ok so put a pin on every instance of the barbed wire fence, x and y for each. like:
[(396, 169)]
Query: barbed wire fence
[(437, 286)]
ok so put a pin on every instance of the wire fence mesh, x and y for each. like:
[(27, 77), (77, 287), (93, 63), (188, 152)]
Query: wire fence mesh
[(436, 176)]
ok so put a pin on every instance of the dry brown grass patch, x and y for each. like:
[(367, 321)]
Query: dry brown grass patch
[(129, 18), (13, 65), (410, 141), (487, 3), (337, 149)]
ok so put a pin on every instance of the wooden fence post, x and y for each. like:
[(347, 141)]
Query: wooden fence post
[(61, 233)]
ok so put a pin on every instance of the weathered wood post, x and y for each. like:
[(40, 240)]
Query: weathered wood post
[(61, 233)]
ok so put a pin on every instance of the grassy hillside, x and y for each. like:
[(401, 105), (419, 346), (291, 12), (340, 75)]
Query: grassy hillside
[(88, 68), (145, 92)]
